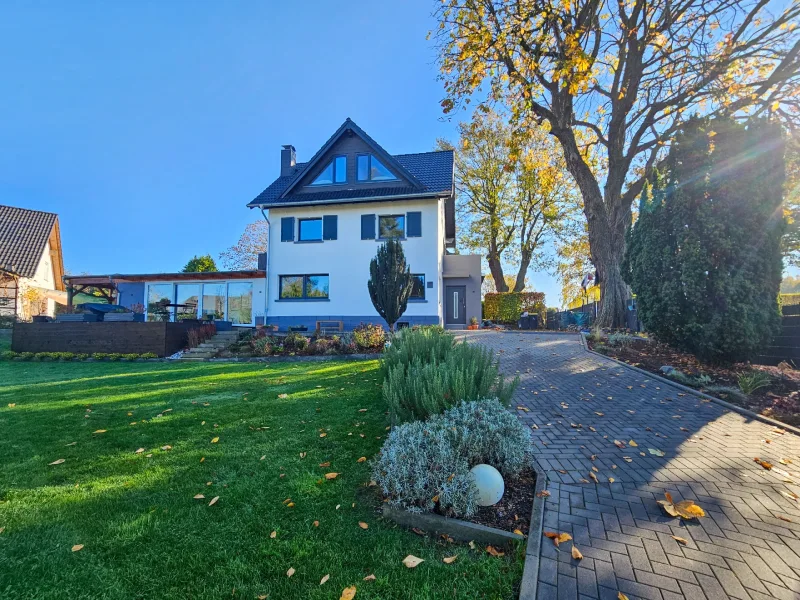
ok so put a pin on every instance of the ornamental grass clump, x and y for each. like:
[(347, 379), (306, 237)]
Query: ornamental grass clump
[(427, 373), (424, 465)]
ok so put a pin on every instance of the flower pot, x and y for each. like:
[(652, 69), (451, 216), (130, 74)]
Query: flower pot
[(472, 327)]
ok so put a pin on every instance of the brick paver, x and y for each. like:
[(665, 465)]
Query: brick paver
[(577, 405)]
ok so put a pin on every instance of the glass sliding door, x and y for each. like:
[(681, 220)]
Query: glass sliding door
[(240, 303), (159, 296), (213, 301), (187, 295)]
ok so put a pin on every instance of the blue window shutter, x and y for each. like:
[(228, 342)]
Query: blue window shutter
[(329, 227), (367, 227), (414, 224), (287, 229)]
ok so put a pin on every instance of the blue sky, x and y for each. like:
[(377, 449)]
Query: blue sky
[(148, 126)]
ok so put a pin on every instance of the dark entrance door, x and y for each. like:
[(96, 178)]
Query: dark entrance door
[(455, 312)]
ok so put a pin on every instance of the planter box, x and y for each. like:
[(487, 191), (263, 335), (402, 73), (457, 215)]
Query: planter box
[(462, 531), (123, 317), (224, 325), (77, 318)]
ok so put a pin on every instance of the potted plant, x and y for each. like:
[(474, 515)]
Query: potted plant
[(473, 323)]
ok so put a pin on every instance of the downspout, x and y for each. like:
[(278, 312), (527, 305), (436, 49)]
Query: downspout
[(269, 253)]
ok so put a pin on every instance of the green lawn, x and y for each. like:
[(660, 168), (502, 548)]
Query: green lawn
[(143, 533)]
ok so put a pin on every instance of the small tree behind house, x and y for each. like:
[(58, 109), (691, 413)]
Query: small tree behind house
[(390, 282), (200, 264)]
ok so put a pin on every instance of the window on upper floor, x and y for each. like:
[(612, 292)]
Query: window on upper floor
[(391, 226), (310, 230), (369, 168), (334, 172)]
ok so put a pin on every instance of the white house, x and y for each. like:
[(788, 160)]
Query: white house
[(31, 263), (328, 216)]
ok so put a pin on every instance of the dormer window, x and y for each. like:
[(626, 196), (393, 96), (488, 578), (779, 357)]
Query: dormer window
[(334, 172), (371, 169)]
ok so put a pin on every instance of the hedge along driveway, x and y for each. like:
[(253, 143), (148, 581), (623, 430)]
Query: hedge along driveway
[(144, 534), (507, 307)]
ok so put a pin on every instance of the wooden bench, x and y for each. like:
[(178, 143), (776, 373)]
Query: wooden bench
[(328, 327)]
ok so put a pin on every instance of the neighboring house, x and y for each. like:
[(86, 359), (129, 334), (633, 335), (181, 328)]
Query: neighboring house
[(31, 264), (327, 217)]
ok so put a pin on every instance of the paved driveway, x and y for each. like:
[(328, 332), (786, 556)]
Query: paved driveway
[(578, 405)]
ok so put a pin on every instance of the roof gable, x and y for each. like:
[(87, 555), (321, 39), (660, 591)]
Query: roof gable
[(23, 236), (323, 154)]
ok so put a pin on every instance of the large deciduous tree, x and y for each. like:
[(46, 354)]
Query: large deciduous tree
[(243, 255), (514, 196), (390, 283), (622, 76), (704, 257)]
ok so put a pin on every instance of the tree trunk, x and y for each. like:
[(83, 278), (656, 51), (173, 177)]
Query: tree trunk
[(608, 219), (496, 269), (524, 263)]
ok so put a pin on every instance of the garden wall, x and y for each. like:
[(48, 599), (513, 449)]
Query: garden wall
[(162, 339)]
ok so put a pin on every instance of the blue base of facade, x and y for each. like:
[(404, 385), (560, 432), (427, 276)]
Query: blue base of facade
[(350, 322)]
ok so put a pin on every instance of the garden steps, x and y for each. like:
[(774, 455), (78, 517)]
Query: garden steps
[(212, 347)]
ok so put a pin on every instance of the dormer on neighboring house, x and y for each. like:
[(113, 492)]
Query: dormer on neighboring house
[(327, 216), (31, 263)]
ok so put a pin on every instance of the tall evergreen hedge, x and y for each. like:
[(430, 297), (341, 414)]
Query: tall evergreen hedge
[(704, 257)]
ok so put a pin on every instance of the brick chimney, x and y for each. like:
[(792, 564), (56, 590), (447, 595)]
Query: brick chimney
[(288, 160)]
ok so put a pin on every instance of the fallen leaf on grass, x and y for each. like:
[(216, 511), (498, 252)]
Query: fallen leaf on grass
[(59, 461), (199, 497), (348, 593), (557, 538), (215, 440), (12, 404), (331, 475), (323, 434), (139, 451), (576, 554), (494, 551), (290, 572), (273, 535), (685, 508), (763, 463), (363, 525), (100, 431), (449, 560), (302, 455), (362, 459), (74, 443), (167, 447), (77, 547), (316, 523), (680, 539), (283, 395), (213, 501), (325, 464), (412, 561), (324, 579), (369, 578)]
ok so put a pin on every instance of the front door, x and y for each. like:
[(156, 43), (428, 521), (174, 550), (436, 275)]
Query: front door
[(455, 305)]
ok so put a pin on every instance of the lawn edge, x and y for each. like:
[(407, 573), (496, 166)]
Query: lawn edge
[(675, 384), (530, 574)]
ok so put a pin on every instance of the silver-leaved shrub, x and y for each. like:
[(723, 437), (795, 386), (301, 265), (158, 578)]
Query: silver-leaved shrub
[(425, 462)]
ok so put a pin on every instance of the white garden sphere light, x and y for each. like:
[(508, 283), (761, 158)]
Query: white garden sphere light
[(490, 484)]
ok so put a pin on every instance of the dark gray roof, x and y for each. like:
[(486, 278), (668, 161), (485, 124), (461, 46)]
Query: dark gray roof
[(23, 236), (428, 173)]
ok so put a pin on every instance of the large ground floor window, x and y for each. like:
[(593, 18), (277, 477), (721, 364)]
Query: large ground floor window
[(221, 301)]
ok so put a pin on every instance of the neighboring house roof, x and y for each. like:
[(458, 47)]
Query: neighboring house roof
[(427, 173), (23, 236)]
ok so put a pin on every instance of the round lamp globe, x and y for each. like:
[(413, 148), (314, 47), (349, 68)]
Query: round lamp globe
[(489, 483)]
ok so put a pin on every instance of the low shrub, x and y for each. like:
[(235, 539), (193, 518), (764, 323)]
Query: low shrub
[(752, 381), (296, 342), (322, 346), (700, 380), (428, 344), (131, 356), (507, 307), (424, 465), (114, 356), (369, 337), (81, 356), (100, 355), (198, 335), (26, 355), (149, 355), (422, 388), (45, 356), (8, 355)]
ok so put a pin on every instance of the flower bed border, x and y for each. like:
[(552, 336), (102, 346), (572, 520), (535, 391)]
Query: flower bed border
[(254, 359), (728, 405)]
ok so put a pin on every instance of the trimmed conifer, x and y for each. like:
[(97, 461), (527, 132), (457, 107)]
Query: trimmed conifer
[(390, 282)]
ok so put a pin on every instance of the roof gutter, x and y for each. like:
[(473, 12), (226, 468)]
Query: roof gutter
[(354, 200), (269, 253)]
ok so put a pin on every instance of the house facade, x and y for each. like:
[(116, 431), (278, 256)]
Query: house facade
[(31, 263), (328, 216)]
